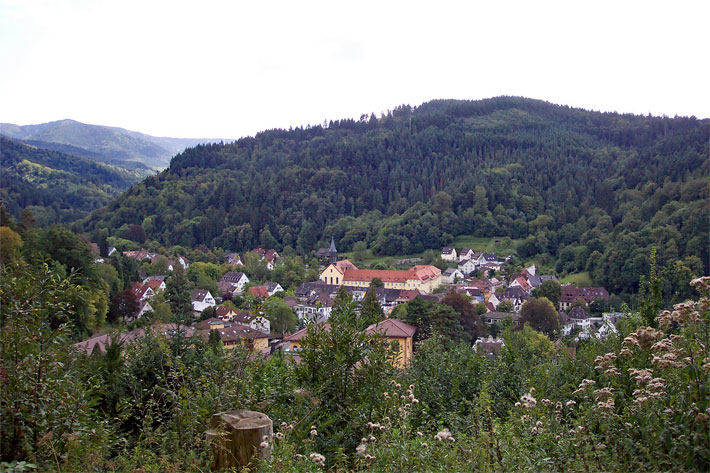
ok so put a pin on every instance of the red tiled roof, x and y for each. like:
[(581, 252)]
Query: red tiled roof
[(422, 273), (392, 328), (223, 311), (298, 336), (259, 292), (154, 284)]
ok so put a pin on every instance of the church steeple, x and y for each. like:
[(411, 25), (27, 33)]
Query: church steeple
[(332, 252)]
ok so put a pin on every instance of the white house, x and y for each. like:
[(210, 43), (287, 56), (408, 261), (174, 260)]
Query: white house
[(273, 287), (465, 253), (237, 279), (201, 299), (256, 322), (449, 254), (577, 318), (450, 275), (467, 266), (493, 300)]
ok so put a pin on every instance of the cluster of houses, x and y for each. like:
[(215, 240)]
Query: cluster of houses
[(270, 257), (142, 255), (519, 288), (474, 275)]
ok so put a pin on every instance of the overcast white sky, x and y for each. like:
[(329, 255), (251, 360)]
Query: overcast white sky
[(230, 69)]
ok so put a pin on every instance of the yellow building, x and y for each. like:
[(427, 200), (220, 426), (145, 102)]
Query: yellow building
[(399, 336), (423, 278)]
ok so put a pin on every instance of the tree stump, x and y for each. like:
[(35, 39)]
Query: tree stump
[(236, 438)]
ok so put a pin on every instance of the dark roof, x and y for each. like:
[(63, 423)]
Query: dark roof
[(588, 294), (447, 250), (332, 246), (232, 276), (577, 313), (498, 316), (199, 295), (515, 292)]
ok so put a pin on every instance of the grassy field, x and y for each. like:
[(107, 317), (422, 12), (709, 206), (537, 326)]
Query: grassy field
[(389, 261), (499, 245), (578, 279)]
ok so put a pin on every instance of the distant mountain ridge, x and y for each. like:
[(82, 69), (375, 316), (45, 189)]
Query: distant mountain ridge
[(110, 145), (56, 187)]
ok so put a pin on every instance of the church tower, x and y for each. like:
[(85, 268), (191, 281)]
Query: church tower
[(332, 252)]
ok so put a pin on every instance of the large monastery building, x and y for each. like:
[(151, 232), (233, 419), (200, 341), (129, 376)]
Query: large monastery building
[(424, 278)]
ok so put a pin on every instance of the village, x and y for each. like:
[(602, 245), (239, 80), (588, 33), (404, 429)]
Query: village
[(478, 276)]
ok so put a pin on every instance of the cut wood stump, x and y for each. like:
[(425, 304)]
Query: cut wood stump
[(237, 438)]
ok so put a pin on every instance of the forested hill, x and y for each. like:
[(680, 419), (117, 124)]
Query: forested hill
[(55, 186), (592, 190), (110, 145)]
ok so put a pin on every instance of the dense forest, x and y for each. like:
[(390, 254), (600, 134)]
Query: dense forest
[(56, 187), (586, 191)]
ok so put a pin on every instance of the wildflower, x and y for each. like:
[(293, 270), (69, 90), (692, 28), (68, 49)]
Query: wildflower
[(386, 395), (382, 428), (701, 284), (411, 386), (318, 458), (517, 404), (314, 432), (360, 450), (528, 400), (415, 401), (443, 434), (533, 431), (547, 402), (397, 385), (600, 446), (583, 385), (603, 393), (419, 434), (538, 424), (642, 376), (279, 435), (264, 444), (363, 440), (425, 445), (372, 438), (451, 439), (558, 406), (612, 371)]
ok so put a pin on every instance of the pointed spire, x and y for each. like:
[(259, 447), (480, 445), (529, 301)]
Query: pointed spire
[(332, 252)]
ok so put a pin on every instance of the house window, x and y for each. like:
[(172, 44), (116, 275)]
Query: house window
[(337, 280)]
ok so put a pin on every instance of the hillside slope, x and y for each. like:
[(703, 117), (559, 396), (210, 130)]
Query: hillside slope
[(56, 187), (110, 145), (593, 190)]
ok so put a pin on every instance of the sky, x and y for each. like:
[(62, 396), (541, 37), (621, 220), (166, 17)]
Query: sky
[(209, 69)]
